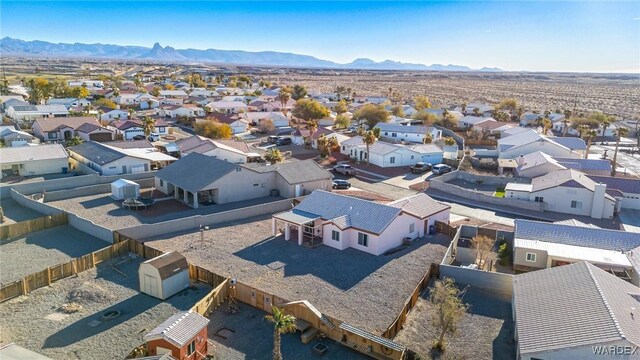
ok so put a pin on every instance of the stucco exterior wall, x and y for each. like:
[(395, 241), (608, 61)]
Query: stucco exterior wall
[(559, 199), (243, 185), (226, 155), (520, 258), (544, 146), (39, 167)]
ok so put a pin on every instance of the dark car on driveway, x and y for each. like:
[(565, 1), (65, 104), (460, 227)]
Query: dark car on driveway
[(420, 167), (273, 139), (340, 184), (138, 137), (283, 141), (441, 169)]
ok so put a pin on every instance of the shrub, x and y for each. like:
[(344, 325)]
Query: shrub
[(504, 254)]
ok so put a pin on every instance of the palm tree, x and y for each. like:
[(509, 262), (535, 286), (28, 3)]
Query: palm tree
[(312, 126), (605, 123), (619, 133), (369, 138), (273, 156), (282, 324), (464, 108), (284, 97), (582, 129), (76, 140), (546, 123), (148, 124), (130, 112), (589, 135), (565, 128), (476, 112)]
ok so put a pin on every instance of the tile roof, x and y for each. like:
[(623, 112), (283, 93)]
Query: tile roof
[(53, 124), (584, 164), (420, 205), (225, 118), (89, 127), (10, 155), (574, 305), (474, 119), (576, 235), (410, 129), (180, 328), (568, 177), (534, 159), (294, 172), (52, 108), (195, 171), (96, 152), (626, 185), (519, 139), (349, 211), (200, 144), (572, 143), (131, 144)]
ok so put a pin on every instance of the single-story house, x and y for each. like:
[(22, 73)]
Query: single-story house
[(111, 160), (69, 102), (531, 119), (344, 222), (298, 136), (174, 94), (238, 123), (64, 128), (227, 107), (493, 127), (529, 141), (220, 182), (470, 121), (14, 138), (131, 99), (483, 109), (576, 311), (541, 245), (182, 336), (164, 275), (627, 190), (131, 128), (277, 118), (408, 110), (34, 160), (233, 151), (385, 154), (11, 100), (409, 133), (109, 114), (29, 113), (538, 163), (173, 111), (567, 191)]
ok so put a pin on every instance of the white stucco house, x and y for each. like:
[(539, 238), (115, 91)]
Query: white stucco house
[(128, 129), (538, 163), (626, 190), (237, 122), (567, 191), (470, 121), (385, 154), (343, 222), (69, 102), (237, 152), (529, 141), (33, 160), (111, 160), (173, 111), (227, 107), (408, 133), (29, 113), (277, 118)]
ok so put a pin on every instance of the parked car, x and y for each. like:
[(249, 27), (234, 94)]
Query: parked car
[(340, 184), (154, 137), (441, 169), (420, 167), (345, 169), (283, 141), (138, 137), (273, 139)]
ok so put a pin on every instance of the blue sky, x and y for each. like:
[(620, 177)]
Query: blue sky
[(538, 36)]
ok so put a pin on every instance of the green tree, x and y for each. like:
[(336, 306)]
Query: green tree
[(508, 104), (273, 155), (476, 112), (422, 103), (589, 135), (213, 130), (566, 122), (76, 140), (449, 141), (282, 324), (155, 91), (604, 120), (371, 114), (546, 124), (397, 111), (428, 138), (447, 310), (425, 117), (307, 109), (312, 126), (106, 103), (80, 92), (283, 96), (326, 145), (618, 133), (340, 90), (169, 87), (298, 92), (341, 107), (341, 122), (148, 124), (369, 138)]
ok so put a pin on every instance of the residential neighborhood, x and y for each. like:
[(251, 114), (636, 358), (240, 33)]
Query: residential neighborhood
[(192, 203)]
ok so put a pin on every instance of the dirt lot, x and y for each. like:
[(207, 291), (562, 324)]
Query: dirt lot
[(14, 212), (486, 332), (103, 210), (364, 290), (38, 250), (34, 321), (246, 335)]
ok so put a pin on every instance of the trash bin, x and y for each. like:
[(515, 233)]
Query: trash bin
[(432, 229)]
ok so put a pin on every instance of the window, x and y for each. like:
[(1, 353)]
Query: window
[(531, 257), (335, 235), (412, 228), (411, 157), (394, 135), (386, 133), (392, 160), (539, 199), (161, 182), (576, 204), (363, 239), (192, 348), (344, 148), (53, 135)]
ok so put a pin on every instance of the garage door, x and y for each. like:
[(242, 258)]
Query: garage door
[(137, 169)]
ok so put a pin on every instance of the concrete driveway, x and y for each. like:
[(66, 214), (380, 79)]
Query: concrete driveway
[(408, 179)]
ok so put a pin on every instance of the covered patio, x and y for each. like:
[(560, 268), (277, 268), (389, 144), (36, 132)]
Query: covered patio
[(303, 226)]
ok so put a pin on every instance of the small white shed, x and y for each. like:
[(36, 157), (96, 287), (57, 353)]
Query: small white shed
[(164, 276), (124, 189)]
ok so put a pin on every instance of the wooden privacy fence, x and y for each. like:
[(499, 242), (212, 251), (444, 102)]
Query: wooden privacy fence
[(57, 272), (397, 325), (446, 229), (28, 226), (214, 299)]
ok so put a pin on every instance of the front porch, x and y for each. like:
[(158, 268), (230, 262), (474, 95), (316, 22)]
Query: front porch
[(300, 226)]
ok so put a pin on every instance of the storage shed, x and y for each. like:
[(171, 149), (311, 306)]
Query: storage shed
[(183, 336), (124, 189), (164, 276)]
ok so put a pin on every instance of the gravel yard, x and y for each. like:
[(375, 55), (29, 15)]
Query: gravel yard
[(364, 290), (14, 212), (39, 250), (103, 210), (486, 332), (34, 321)]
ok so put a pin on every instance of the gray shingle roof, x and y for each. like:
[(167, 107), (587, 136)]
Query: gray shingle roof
[(411, 129), (573, 305), (96, 152), (10, 155), (420, 205), (584, 164), (180, 328), (195, 171), (576, 235), (349, 211), (626, 185), (572, 143), (294, 172)]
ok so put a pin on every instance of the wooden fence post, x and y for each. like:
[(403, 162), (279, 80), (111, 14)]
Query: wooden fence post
[(25, 287), (49, 276), (93, 259)]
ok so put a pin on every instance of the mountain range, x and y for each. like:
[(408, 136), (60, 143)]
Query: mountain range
[(36, 48)]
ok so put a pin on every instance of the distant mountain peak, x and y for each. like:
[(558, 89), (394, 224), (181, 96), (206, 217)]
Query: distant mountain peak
[(16, 47)]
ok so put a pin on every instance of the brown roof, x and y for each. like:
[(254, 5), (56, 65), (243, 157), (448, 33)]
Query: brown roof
[(74, 122), (225, 118), (169, 264)]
